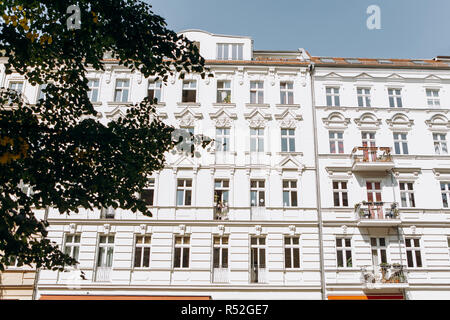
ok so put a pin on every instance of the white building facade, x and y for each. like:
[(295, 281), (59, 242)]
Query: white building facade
[(329, 179)]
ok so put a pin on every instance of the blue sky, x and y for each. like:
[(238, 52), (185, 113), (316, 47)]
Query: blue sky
[(409, 28)]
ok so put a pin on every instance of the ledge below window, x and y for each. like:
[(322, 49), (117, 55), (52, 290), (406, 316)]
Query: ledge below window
[(257, 105), (188, 104)]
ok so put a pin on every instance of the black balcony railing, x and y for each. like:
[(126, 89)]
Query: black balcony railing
[(384, 274), (376, 210), (371, 154)]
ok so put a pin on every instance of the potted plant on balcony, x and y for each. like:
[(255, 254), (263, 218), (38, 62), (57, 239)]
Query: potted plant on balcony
[(384, 268)]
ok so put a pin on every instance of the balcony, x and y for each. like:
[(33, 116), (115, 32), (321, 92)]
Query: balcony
[(258, 275), (384, 276), (221, 211), (372, 159), (374, 214)]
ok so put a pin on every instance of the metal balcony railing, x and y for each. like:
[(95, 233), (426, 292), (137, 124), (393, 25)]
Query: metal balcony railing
[(103, 274), (221, 211), (377, 211), (371, 154), (220, 275), (258, 275), (384, 274)]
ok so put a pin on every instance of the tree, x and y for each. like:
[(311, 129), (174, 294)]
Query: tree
[(57, 146)]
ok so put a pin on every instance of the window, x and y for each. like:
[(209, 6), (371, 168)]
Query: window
[(286, 93), (440, 143), (105, 251), (344, 253), (257, 139), (373, 191), (221, 190), (368, 139), (336, 142), (72, 245), (122, 89), (148, 193), (291, 252), (363, 97), (378, 251), (224, 91), (448, 246), (181, 253), (142, 251), (258, 259), (413, 255), (340, 196), (257, 92), (257, 193), (395, 98), (16, 86), (184, 192), (222, 139), (332, 96), (189, 93), (288, 140), (220, 252), (154, 90), (107, 213), (407, 194), (41, 94), (400, 143), (445, 191), (230, 51), (93, 85), (433, 97), (289, 193)]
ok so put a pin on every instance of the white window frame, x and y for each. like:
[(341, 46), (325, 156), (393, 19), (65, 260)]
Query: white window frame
[(413, 248), (290, 246), (340, 191), (287, 92), (260, 190), (119, 92), (400, 142), (395, 97), (184, 247), (288, 138), (290, 188), (336, 138), (257, 139), (12, 84), (259, 246), (332, 96), (378, 250), (148, 188), (440, 143), (220, 247), (223, 186), (222, 139), (143, 245), (409, 201), (223, 86), (256, 91), (94, 86), (433, 99), (105, 246), (156, 87), (186, 189), (189, 85), (230, 51), (345, 249), (445, 192), (364, 97), (72, 245)]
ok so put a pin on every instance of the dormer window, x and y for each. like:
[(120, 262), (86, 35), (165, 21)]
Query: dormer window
[(230, 51)]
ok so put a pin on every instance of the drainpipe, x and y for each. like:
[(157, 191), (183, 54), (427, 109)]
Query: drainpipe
[(398, 229), (36, 277), (318, 199)]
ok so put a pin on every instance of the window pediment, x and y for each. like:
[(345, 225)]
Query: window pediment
[(336, 120)]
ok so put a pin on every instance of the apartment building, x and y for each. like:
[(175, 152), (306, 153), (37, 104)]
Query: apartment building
[(329, 179)]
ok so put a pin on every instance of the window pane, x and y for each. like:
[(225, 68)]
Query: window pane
[(146, 262), (177, 258), (287, 258), (296, 258)]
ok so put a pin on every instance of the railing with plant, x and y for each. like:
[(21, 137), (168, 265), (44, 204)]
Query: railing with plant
[(371, 154), (384, 273), (377, 210)]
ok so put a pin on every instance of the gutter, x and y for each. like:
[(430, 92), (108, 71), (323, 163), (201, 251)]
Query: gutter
[(36, 277), (318, 198)]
